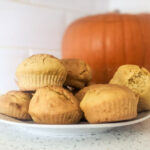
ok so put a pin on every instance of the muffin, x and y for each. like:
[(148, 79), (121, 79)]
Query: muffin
[(79, 73), (54, 105), (40, 70), (109, 103), (80, 94), (138, 80), (15, 104)]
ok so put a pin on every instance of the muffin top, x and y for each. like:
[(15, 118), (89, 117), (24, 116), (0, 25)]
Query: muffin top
[(77, 69), (132, 76), (79, 95), (16, 96), (57, 100), (108, 93), (109, 103), (138, 80), (17, 100), (54, 105), (15, 104), (40, 63)]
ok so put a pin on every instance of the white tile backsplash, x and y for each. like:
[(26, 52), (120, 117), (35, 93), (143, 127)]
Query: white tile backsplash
[(28, 27), (70, 17), (101, 6), (9, 60), (129, 6), (71, 5), (56, 52)]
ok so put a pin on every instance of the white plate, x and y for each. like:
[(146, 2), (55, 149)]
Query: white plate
[(66, 130)]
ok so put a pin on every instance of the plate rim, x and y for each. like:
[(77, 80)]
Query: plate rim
[(76, 126)]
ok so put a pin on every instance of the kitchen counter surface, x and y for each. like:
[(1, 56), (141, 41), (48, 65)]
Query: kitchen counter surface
[(133, 137)]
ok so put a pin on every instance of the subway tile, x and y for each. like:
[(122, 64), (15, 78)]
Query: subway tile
[(80, 5), (128, 6), (100, 6), (54, 52), (30, 26), (9, 60), (71, 17)]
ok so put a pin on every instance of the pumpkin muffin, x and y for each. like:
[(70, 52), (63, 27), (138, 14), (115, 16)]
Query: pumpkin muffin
[(79, 73), (15, 104), (80, 94), (109, 103), (54, 105), (138, 80), (40, 70)]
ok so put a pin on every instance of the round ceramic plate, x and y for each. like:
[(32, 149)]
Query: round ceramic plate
[(65, 130)]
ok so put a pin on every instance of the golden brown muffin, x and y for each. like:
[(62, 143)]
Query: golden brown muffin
[(109, 103), (79, 95), (138, 80), (54, 105), (40, 70), (15, 104), (79, 73)]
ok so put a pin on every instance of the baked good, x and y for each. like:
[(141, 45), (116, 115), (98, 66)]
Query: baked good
[(54, 105), (40, 70), (138, 80), (80, 94), (79, 73), (109, 103), (15, 104)]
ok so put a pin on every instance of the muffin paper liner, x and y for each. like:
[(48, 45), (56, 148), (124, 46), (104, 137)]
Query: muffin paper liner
[(30, 82)]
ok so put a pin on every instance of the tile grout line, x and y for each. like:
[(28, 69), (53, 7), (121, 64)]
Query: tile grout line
[(48, 7), (29, 48)]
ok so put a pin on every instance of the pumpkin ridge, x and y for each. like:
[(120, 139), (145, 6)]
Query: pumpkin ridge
[(123, 32), (104, 41), (143, 43)]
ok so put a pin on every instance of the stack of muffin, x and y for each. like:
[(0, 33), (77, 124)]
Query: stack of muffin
[(54, 91)]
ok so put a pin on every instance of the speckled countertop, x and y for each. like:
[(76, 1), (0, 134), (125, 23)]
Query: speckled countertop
[(133, 137)]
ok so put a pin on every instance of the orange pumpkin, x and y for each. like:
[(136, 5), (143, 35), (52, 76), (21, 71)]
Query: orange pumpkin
[(107, 41)]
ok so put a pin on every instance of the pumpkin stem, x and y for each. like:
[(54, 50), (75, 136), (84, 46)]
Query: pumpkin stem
[(117, 11)]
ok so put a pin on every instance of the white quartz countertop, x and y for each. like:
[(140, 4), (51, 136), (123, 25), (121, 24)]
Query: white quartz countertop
[(133, 137)]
